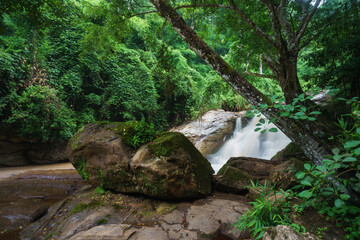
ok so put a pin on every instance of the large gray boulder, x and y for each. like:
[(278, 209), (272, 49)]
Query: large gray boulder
[(209, 131), (169, 167)]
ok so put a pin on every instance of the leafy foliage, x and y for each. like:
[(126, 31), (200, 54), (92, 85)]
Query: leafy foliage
[(270, 209), (317, 182)]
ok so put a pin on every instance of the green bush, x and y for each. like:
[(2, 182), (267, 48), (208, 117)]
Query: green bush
[(270, 209), (38, 113)]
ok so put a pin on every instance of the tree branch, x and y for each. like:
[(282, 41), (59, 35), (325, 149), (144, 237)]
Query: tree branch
[(285, 23), (305, 21), (204, 6), (142, 13), (256, 74), (260, 75), (274, 20), (261, 33)]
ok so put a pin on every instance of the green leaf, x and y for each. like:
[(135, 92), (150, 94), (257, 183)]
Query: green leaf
[(344, 196), (307, 166), (257, 129), (306, 182), (315, 113), (339, 203), (273, 130), (312, 119), (350, 159), (335, 151), (326, 194), (278, 105), (351, 144), (357, 175), (337, 166), (273, 98), (357, 151), (263, 106), (358, 130), (285, 114), (262, 121), (300, 175), (263, 131), (305, 194)]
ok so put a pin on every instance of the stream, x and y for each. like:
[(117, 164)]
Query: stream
[(245, 142), (24, 190)]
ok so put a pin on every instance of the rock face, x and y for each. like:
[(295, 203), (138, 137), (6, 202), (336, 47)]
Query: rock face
[(237, 173), (281, 232), (208, 133), (169, 167), (291, 151), (88, 215), (16, 151), (283, 175)]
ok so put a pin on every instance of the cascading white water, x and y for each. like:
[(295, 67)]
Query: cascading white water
[(248, 143)]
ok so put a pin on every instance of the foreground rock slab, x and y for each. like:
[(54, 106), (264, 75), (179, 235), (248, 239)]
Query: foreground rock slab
[(90, 215), (169, 167)]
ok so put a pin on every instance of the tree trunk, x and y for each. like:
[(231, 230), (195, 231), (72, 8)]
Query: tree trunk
[(306, 134), (312, 137)]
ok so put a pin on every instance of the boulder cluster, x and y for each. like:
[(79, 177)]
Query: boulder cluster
[(168, 167)]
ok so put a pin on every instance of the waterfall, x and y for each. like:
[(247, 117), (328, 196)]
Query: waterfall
[(248, 143)]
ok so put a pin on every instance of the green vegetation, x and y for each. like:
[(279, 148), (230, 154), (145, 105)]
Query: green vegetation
[(134, 133), (65, 66), (83, 206), (330, 187), (316, 183), (270, 209), (66, 63), (80, 166), (102, 221)]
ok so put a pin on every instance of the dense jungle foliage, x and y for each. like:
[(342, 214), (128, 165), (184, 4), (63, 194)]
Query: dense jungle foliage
[(64, 63)]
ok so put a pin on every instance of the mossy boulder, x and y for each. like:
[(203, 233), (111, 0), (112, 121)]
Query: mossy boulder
[(97, 149), (283, 175), (238, 172), (168, 167), (290, 151), (171, 167)]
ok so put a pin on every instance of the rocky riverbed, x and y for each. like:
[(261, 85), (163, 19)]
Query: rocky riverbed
[(27, 192)]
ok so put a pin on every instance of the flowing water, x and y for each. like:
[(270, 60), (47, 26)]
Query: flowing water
[(246, 142)]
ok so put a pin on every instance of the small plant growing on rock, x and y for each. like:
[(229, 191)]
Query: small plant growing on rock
[(270, 209)]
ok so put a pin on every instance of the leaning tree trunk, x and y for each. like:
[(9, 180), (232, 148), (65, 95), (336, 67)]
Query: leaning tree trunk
[(311, 137)]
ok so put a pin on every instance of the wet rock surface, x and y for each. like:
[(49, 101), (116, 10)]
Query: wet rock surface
[(90, 215), (208, 132), (168, 167), (17, 151), (27, 196)]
